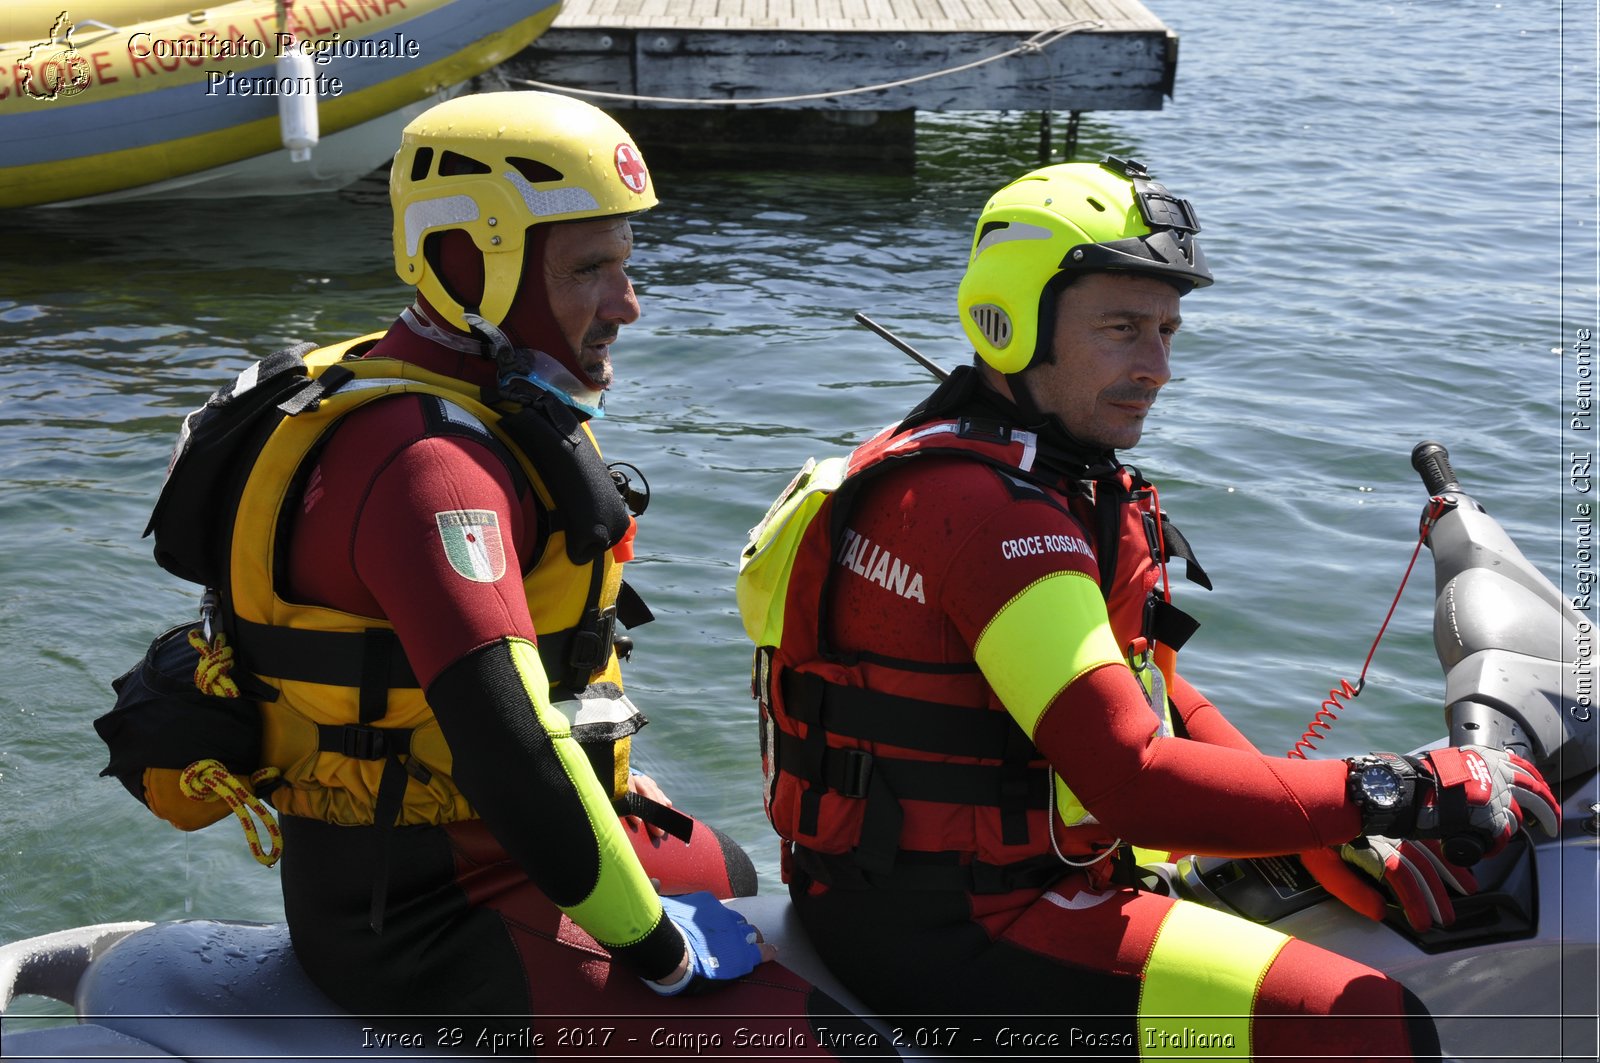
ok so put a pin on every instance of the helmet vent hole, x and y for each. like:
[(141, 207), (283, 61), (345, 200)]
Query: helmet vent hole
[(420, 163), (537, 172), (452, 164), (993, 323), (1097, 205)]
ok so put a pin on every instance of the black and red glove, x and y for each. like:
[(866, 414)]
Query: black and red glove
[(1371, 871), (1473, 798)]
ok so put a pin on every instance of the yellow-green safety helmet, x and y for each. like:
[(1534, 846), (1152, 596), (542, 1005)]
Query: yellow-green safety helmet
[(1036, 233), (493, 164)]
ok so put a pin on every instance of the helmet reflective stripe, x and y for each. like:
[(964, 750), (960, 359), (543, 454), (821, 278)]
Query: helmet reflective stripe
[(446, 212), (568, 200), (1047, 225), (1010, 231)]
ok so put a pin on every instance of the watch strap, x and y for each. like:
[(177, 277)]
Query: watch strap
[(1398, 821)]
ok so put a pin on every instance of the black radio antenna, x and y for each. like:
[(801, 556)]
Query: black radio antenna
[(923, 360)]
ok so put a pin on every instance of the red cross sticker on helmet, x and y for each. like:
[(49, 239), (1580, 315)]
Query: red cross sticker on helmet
[(630, 167)]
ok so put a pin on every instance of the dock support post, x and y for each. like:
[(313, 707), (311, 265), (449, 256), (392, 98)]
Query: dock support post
[(1069, 150)]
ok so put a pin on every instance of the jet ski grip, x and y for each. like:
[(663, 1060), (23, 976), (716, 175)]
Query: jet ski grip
[(1432, 461)]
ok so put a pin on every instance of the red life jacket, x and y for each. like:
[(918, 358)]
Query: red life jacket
[(912, 774)]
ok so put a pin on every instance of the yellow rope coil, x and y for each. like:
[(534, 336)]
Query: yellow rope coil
[(209, 780), (216, 661)]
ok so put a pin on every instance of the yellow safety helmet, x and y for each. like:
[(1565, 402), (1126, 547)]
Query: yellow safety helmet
[(1050, 225), (493, 164)]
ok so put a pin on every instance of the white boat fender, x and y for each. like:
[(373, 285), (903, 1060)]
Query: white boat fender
[(297, 102)]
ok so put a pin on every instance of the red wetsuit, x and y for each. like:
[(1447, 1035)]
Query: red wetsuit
[(1078, 947), (469, 925)]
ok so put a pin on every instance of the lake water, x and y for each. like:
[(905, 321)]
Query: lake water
[(1398, 202)]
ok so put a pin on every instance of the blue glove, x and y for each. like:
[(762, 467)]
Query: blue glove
[(722, 944)]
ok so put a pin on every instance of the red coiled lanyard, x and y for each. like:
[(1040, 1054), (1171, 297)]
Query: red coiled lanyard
[(1328, 714)]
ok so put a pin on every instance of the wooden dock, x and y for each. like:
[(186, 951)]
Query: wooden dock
[(759, 80)]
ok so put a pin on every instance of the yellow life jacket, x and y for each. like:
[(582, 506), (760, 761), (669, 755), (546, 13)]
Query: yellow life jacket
[(348, 727)]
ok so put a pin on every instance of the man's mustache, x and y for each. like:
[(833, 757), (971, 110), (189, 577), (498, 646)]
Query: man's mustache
[(1130, 393)]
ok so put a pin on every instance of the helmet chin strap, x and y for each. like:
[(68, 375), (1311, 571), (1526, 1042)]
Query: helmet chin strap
[(1051, 428), (517, 364), (493, 343), (416, 318)]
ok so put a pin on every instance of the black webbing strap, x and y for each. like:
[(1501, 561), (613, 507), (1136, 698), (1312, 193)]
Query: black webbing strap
[(363, 741), (1178, 546), (388, 744), (631, 607), (881, 823), (340, 658), (851, 773), (846, 772), (1108, 500), (334, 658), (928, 871), (1166, 623), (808, 758), (1014, 783), (378, 646), (656, 814), (386, 811), (911, 723), (311, 395)]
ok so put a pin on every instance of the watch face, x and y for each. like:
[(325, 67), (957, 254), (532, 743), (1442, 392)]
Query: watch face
[(1381, 786)]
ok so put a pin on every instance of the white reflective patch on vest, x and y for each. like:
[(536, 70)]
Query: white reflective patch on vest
[(1078, 901), (247, 379), (1030, 448), (872, 562), (472, 543), (461, 418), (601, 712)]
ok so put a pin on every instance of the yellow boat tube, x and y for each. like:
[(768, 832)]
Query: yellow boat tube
[(122, 94)]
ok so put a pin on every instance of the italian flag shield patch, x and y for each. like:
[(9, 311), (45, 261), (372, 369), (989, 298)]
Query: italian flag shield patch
[(472, 543)]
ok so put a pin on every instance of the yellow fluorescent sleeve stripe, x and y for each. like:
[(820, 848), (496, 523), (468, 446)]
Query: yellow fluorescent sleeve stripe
[(1200, 984), (1053, 631), (623, 907)]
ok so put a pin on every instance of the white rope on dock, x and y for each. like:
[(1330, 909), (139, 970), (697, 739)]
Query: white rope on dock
[(1032, 46)]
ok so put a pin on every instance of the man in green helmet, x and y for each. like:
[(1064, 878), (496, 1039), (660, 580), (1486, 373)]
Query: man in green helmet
[(966, 664)]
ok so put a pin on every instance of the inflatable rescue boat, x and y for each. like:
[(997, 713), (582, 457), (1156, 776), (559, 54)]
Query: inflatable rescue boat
[(118, 99)]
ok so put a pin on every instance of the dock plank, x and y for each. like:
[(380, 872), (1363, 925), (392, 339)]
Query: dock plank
[(901, 16), (837, 83), (739, 57)]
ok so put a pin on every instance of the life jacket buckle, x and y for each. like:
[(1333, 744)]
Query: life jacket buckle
[(856, 771), (364, 743), (984, 429), (592, 642)]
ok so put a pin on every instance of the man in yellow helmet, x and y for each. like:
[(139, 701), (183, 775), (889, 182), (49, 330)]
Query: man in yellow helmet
[(424, 569), (966, 663)]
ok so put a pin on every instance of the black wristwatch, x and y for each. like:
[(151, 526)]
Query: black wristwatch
[(1383, 786)]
